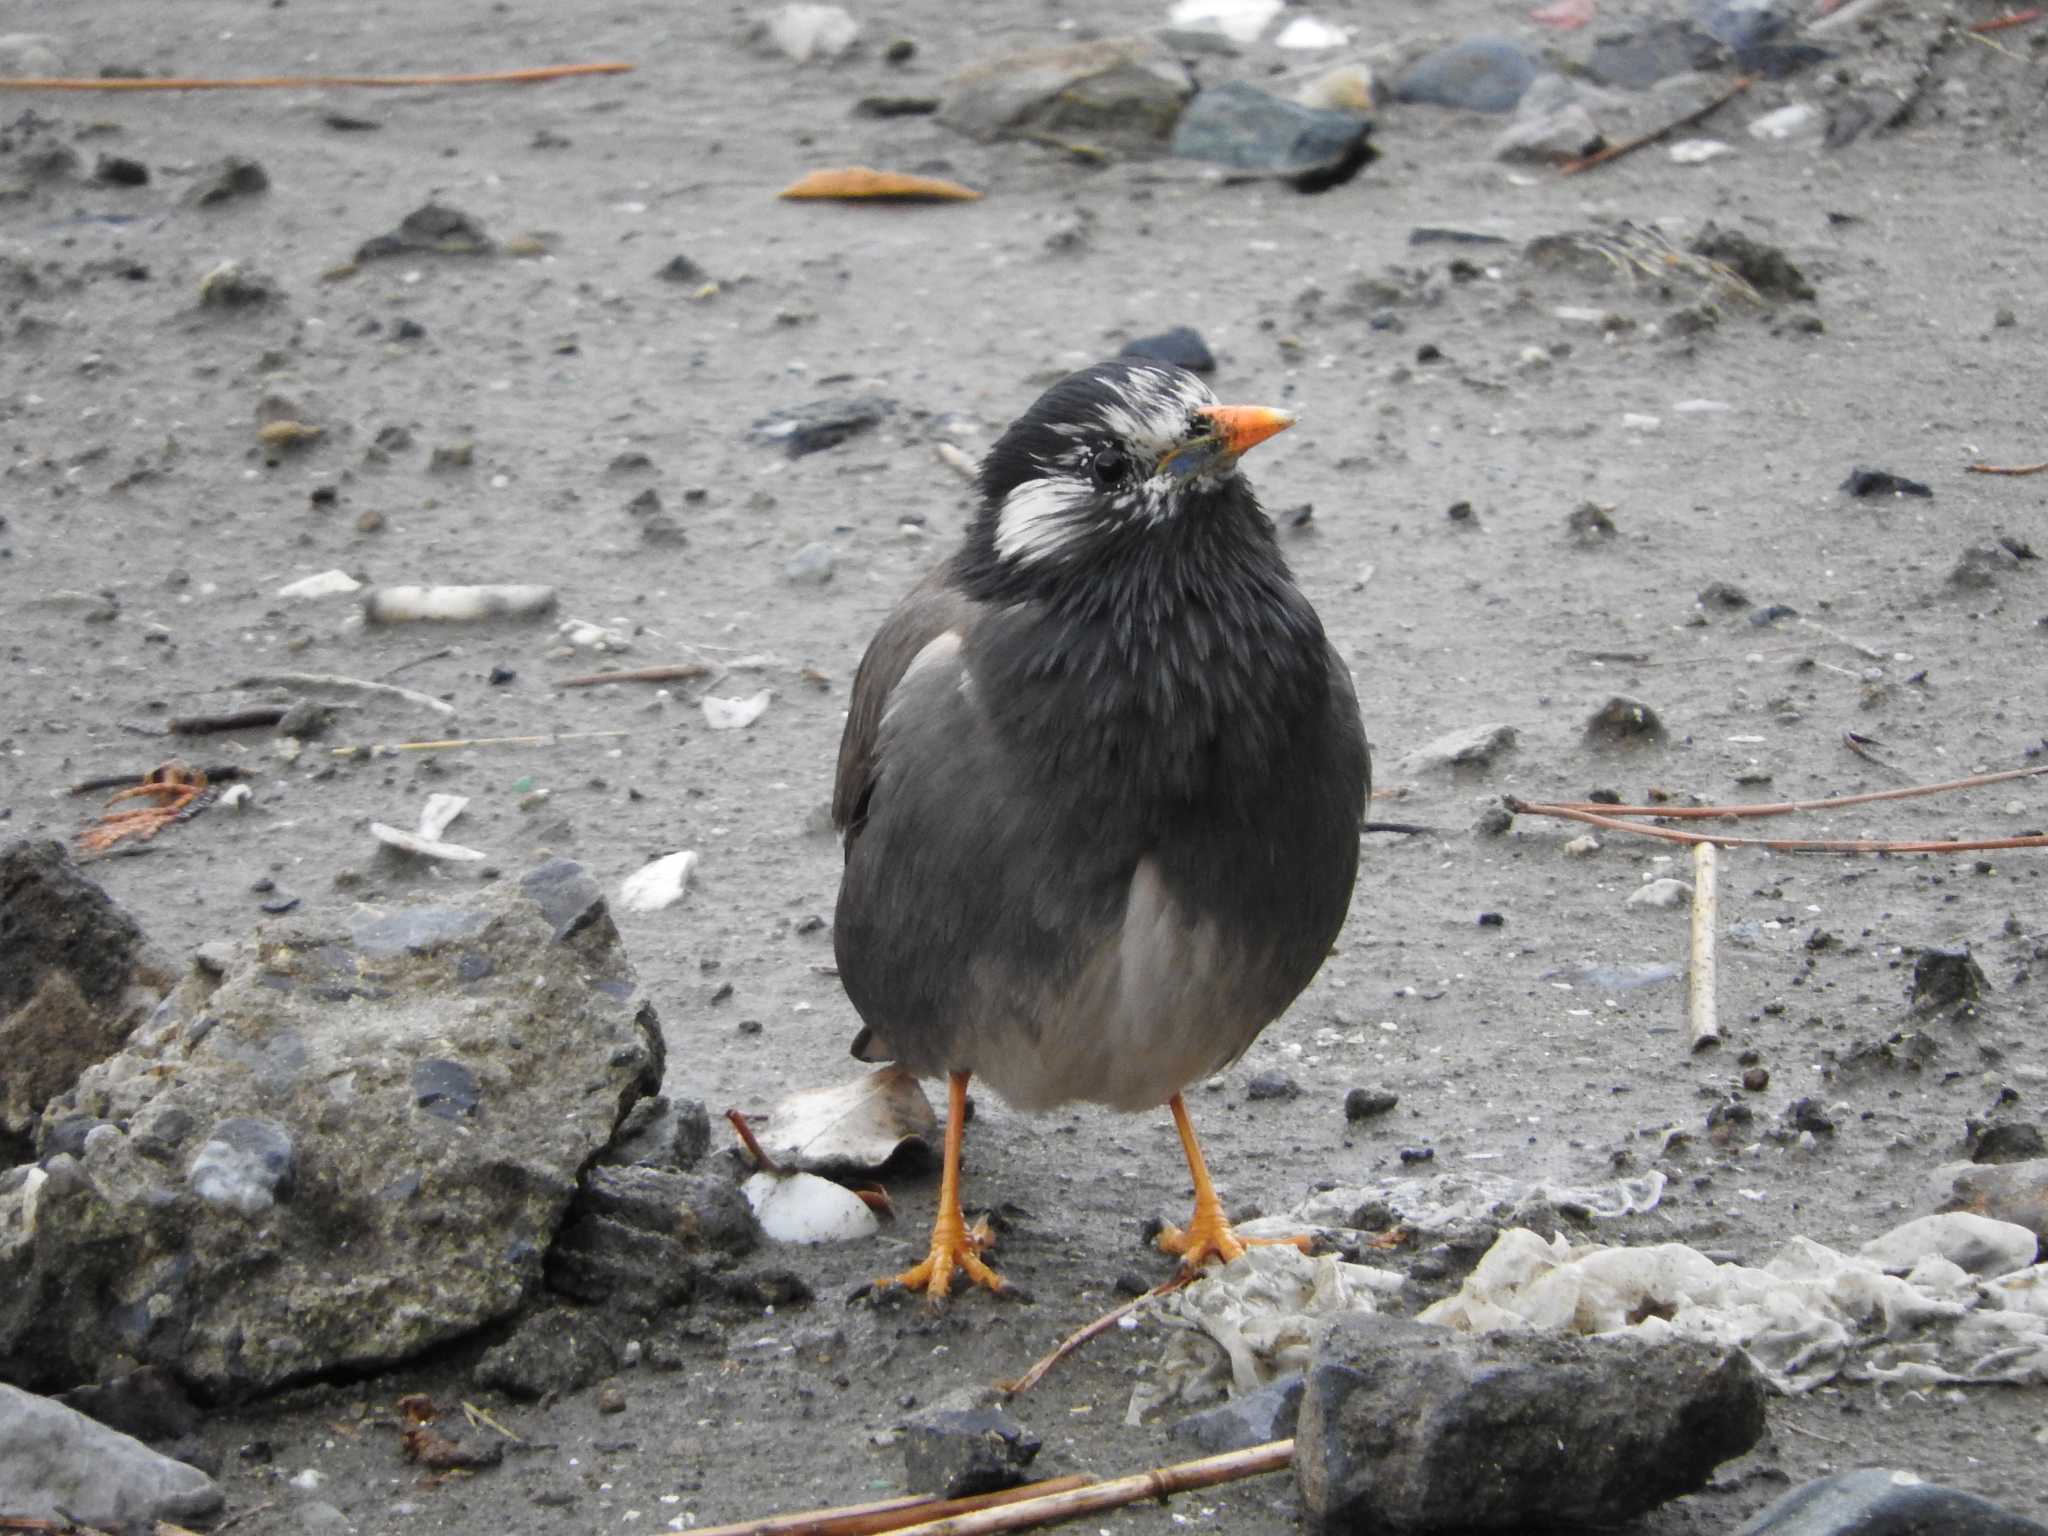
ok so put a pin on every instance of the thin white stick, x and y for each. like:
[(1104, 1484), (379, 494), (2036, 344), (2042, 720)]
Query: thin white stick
[(1706, 908)]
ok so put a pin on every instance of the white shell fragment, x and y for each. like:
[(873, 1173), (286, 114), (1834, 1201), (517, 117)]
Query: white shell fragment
[(803, 1208), (456, 605), (440, 810), (1699, 151), (1311, 32), (1239, 20), (327, 584), (236, 797), (805, 32), (586, 636), (733, 714), (851, 1127), (657, 885)]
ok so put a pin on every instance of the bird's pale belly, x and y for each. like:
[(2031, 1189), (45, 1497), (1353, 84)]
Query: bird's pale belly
[(1160, 1002)]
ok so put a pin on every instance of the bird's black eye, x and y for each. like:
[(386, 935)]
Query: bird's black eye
[(1111, 467)]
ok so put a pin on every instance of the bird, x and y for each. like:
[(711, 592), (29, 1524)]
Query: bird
[(1101, 784)]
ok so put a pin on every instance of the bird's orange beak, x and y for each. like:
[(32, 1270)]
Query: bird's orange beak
[(1243, 427)]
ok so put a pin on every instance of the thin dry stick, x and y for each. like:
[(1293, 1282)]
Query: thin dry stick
[(2008, 469), (1782, 807), (374, 749), (1083, 1334), (1657, 135), (1182, 1477), (1779, 844), (1706, 910), (890, 1514), (329, 682), (315, 82), (682, 671)]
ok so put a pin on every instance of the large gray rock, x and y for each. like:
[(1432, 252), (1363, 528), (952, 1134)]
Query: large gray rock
[(336, 1149), (644, 1239), (75, 979), (57, 1464), (1408, 1428), (1125, 91), (1876, 1501)]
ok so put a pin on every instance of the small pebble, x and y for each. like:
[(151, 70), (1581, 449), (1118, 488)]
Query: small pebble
[(1272, 1085), (1364, 1103)]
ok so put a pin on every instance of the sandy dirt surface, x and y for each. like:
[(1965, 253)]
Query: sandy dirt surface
[(133, 469)]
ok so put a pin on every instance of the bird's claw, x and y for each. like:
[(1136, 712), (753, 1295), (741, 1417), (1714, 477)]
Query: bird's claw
[(1209, 1236), (955, 1247)]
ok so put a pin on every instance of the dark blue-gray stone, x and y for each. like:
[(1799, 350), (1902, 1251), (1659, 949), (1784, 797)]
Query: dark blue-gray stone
[(445, 1088), (956, 1453), (1182, 346), (417, 930), (567, 897), (1876, 1501), (1253, 1419), (1248, 129), (246, 1164), (1480, 74)]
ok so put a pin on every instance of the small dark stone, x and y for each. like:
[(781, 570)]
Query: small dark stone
[(1238, 125), (647, 502), (1756, 1079), (1182, 346), (324, 495), (1365, 1103), (901, 50), (277, 906), (1429, 352), (1272, 1085), (432, 227), (822, 424), (680, 269), (1589, 524), (1624, 722), (895, 106), (234, 177), (1459, 512), (1765, 617), (960, 1452), (408, 329), (1480, 74), (1418, 1154), (2006, 1141), (1882, 482), (1764, 267), (1256, 1418), (1721, 594), (1807, 1115), (1494, 821), (120, 171), (501, 675), (1945, 976), (1492, 920), (446, 1088)]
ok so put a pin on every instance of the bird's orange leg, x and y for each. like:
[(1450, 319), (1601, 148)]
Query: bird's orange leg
[(1208, 1233), (954, 1244)]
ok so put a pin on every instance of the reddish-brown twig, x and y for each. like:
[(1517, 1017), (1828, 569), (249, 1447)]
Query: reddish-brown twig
[(1160, 1482), (892, 1514), (2008, 469), (1084, 1333), (1777, 844), (311, 82), (1786, 807), (2000, 23), (682, 671), (1658, 135), (754, 1148)]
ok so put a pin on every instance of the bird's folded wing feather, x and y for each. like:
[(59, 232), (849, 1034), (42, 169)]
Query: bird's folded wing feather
[(930, 610)]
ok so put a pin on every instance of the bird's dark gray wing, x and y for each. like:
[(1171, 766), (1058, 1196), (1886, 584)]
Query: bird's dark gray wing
[(928, 611)]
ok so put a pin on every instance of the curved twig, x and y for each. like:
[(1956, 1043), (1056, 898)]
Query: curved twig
[(315, 82)]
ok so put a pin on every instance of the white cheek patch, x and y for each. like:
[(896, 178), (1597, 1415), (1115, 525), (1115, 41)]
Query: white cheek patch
[(1039, 518)]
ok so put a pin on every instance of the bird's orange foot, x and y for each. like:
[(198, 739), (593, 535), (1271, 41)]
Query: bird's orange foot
[(179, 791), (955, 1247), (1208, 1236)]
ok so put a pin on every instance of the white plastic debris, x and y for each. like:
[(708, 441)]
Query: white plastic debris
[(734, 714), (1239, 20), (1666, 892), (439, 812), (327, 584), (803, 1208), (586, 636), (1637, 421), (1311, 32), (1979, 1245), (658, 885), (806, 32), (856, 1126), (237, 797), (1254, 1319), (1699, 151), (1785, 122), (456, 605)]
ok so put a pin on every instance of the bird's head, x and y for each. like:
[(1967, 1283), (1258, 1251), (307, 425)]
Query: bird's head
[(1106, 456)]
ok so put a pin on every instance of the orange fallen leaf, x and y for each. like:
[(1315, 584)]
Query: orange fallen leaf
[(859, 183)]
